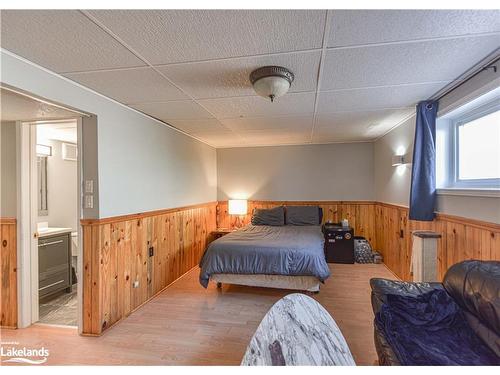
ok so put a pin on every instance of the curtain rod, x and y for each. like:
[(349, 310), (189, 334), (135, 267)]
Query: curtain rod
[(487, 63)]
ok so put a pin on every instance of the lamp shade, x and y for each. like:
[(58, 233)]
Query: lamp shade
[(271, 81), (271, 87), (237, 207)]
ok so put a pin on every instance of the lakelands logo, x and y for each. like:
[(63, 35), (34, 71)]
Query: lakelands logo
[(23, 355)]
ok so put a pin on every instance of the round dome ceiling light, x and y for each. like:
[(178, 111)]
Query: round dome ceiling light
[(271, 81)]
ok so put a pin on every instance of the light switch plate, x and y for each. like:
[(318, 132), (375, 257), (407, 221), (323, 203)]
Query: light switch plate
[(89, 201), (89, 186)]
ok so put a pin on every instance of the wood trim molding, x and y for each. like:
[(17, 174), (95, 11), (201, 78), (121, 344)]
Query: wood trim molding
[(300, 203), (452, 218), (141, 215), (8, 220), (470, 222)]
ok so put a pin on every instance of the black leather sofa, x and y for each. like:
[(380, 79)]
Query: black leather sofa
[(473, 284)]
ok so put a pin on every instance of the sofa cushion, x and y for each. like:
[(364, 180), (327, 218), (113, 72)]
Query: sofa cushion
[(382, 287), (431, 329)]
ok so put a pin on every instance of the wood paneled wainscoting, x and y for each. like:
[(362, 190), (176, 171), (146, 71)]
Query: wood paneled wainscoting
[(129, 259), (361, 214), (461, 239), (8, 269)]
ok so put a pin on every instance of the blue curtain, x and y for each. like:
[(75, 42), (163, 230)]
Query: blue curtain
[(423, 173)]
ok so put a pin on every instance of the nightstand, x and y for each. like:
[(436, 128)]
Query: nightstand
[(219, 232)]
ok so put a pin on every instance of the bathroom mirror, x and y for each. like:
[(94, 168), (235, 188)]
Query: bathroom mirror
[(43, 209)]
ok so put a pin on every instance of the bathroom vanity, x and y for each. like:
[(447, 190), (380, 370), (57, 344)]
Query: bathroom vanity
[(54, 260)]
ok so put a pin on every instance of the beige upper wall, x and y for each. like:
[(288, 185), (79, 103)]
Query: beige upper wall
[(8, 185), (143, 165), (309, 172), (392, 187)]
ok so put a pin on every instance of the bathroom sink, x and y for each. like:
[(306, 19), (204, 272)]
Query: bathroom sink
[(49, 231)]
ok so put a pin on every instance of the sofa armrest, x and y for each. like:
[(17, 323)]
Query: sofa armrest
[(382, 287)]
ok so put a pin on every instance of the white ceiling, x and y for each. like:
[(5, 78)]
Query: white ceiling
[(358, 73)]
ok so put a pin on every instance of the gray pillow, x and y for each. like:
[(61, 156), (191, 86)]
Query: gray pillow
[(273, 216), (302, 215)]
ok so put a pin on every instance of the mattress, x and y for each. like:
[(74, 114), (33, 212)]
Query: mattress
[(267, 250)]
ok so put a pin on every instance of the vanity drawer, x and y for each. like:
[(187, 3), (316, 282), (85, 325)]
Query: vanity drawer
[(54, 264), (53, 254), (54, 283)]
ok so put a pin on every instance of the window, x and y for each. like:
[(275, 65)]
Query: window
[(468, 146), (479, 148)]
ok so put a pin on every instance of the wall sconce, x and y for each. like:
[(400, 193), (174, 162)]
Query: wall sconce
[(43, 150), (398, 160)]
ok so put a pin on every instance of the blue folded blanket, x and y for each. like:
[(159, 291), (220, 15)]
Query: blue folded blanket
[(431, 329)]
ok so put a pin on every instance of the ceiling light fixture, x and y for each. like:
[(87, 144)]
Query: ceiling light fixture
[(271, 81)]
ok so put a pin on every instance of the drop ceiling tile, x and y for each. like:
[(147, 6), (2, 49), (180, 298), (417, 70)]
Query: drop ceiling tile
[(168, 36), (198, 126), (136, 85), (230, 77), (354, 27), (275, 137), (223, 138), (270, 123), (173, 110), (357, 125), (376, 97), (253, 106), (62, 40), (438, 60)]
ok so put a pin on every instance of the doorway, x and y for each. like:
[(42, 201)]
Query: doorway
[(50, 222), (57, 221), (44, 186)]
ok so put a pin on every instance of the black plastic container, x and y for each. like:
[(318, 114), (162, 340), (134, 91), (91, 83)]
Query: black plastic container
[(339, 243)]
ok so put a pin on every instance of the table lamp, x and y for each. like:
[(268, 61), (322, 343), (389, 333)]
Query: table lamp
[(239, 208)]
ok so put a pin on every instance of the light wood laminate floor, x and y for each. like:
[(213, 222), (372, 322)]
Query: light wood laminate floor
[(188, 325)]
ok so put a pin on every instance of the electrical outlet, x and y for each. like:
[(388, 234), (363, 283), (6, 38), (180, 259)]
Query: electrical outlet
[(135, 284), (151, 251)]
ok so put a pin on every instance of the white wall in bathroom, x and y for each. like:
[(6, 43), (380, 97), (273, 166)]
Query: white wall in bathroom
[(8, 182), (62, 189)]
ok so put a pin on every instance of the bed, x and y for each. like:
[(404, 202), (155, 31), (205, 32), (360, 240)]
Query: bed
[(276, 256)]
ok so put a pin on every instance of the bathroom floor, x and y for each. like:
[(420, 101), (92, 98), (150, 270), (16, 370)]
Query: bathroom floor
[(60, 309)]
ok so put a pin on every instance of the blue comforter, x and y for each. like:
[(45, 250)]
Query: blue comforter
[(270, 250), (431, 330)]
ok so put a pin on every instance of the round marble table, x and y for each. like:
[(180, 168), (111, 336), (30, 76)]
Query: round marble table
[(298, 331)]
